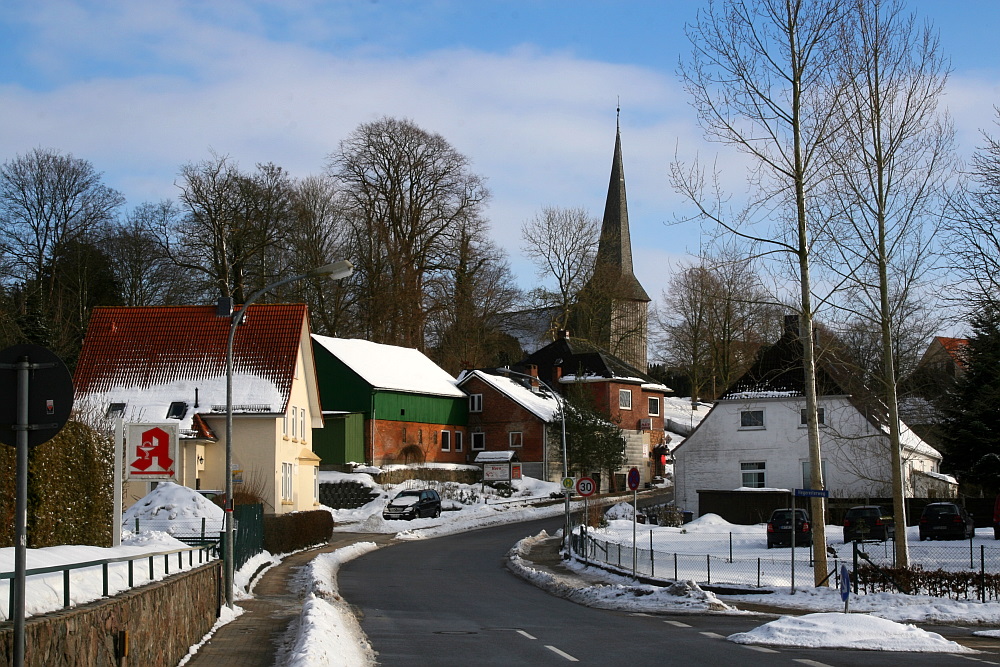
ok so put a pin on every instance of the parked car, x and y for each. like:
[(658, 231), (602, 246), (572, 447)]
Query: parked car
[(779, 528), (866, 523), (946, 521), (413, 503)]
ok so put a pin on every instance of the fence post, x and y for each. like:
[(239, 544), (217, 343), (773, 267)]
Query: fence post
[(675, 566), (104, 578), (972, 562), (65, 588), (758, 571), (982, 573), (652, 557), (708, 566), (730, 547)]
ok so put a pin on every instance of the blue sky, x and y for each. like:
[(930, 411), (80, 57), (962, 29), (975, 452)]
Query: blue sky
[(527, 90)]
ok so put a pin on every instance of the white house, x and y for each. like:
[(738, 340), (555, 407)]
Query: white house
[(755, 437)]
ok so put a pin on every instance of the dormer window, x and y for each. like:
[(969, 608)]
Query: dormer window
[(177, 410), (115, 410)]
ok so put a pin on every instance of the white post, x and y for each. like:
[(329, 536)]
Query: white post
[(116, 524)]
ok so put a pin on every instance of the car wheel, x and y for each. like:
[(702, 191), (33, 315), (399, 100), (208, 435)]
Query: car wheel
[(437, 513)]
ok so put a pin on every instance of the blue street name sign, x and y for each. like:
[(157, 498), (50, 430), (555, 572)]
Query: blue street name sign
[(812, 493)]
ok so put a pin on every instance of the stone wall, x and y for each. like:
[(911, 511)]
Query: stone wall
[(155, 624)]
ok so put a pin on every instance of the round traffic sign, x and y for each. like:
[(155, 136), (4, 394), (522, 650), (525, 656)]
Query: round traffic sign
[(633, 479), (49, 393), (568, 483), (586, 486)]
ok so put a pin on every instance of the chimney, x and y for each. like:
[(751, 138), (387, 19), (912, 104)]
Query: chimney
[(557, 370), (224, 307), (564, 334), (533, 372)]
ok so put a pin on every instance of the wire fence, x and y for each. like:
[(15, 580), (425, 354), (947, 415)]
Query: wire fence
[(966, 569)]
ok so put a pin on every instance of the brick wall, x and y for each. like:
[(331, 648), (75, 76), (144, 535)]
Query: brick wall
[(163, 619), (414, 442), (500, 417)]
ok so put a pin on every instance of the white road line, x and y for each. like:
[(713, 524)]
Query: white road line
[(713, 635), (762, 649), (678, 624), (525, 634), (562, 653), (811, 663)]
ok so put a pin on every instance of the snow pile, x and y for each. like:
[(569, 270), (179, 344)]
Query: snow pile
[(848, 631), (621, 511), (174, 509)]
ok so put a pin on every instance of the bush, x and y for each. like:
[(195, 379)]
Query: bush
[(285, 533)]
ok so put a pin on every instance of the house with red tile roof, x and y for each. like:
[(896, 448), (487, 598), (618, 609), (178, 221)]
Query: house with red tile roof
[(168, 365)]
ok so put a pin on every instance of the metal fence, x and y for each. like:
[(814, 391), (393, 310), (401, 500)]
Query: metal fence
[(959, 570)]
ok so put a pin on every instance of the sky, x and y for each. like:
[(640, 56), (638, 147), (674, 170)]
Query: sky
[(329, 633), (526, 90)]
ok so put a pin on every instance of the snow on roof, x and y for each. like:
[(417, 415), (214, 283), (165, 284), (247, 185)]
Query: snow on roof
[(912, 442), (251, 395), (937, 475), (391, 367), (494, 457), (545, 406)]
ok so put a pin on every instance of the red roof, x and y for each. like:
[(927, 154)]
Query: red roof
[(954, 347), (147, 346)]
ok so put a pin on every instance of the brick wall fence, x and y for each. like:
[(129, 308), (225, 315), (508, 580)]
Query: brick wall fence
[(155, 624)]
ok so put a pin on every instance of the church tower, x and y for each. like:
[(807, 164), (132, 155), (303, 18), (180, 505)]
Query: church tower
[(613, 306)]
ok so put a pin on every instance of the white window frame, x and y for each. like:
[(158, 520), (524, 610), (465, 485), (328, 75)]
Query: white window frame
[(475, 402), (315, 485), (515, 439), (458, 441), (759, 471), (302, 424), (820, 417), (445, 441), (481, 437), (654, 401), (806, 481), (287, 481), (295, 422), (624, 399), (284, 425), (744, 426)]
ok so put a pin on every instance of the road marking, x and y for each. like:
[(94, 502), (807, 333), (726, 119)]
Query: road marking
[(678, 624), (812, 663), (762, 649), (525, 634), (562, 653), (713, 635)]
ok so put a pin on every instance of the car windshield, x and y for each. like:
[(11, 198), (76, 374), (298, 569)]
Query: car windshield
[(867, 512), (939, 510), (785, 515)]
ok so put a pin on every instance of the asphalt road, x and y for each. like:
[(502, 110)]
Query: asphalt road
[(451, 601)]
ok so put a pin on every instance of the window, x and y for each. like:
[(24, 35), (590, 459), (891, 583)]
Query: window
[(295, 421), (458, 441), (751, 419), (654, 407), (478, 441), (115, 410), (515, 439), (820, 416), (625, 399), (445, 441), (302, 423), (475, 402), (807, 478), (753, 474), (284, 425), (286, 481), (177, 410)]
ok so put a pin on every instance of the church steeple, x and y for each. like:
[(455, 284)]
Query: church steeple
[(613, 307)]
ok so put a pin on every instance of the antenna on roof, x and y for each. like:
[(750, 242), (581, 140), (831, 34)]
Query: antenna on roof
[(618, 114)]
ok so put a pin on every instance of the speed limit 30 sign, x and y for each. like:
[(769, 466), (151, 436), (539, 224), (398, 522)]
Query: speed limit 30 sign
[(586, 486)]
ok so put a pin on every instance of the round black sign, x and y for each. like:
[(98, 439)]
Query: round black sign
[(50, 393)]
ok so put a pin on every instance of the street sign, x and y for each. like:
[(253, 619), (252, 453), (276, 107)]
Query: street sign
[(151, 452), (568, 483), (633, 479), (49, 394), (812, 493), (585, 486), (845, 583)]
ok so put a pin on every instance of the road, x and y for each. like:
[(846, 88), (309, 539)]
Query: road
[(450, 601)]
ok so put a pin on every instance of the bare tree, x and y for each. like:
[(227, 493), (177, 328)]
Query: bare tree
[(973, 230), (562, 243), (404, 191), (233, 228), (892, 157), (762, 75)]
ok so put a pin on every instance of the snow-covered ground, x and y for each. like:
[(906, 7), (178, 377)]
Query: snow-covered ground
[(328, 627)]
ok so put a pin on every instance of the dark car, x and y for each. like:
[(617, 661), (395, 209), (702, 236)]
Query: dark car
[(868, 523), (779, 528), (947, 521), (413, 503)]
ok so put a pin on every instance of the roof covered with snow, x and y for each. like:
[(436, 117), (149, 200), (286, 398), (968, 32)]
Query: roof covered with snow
[(539, 402), (391, 367)]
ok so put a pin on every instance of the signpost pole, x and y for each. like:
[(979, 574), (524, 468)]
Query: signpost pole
[(635, 520), (21, 509), (116, 514)]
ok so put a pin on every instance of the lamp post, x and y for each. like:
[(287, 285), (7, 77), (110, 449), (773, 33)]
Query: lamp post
[(562, 413), (341, 269)]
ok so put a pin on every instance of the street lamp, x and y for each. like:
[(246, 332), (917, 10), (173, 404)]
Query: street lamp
[(337, 270), (562, 413)]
